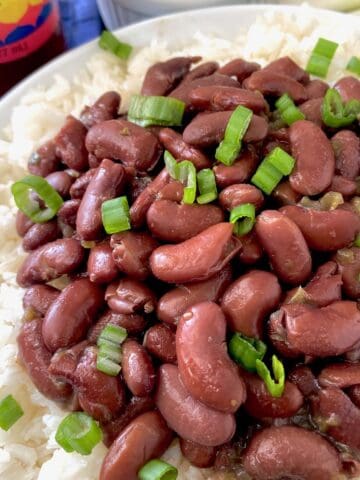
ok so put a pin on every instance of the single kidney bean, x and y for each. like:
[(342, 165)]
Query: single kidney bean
[(343, 185), (340, 375), (50, 261), (251, 251), (248, 300), (171, 222), (218, 99), (316, 89), (312, 111), (78, 188), (106, 184), (44, 161), (290, 452), (346, 145), (101, 266), (285, 245), (100, 395), (131, 252), (146, 437), (198, 258), (287, 66), (173, 191), (105, 108), (121, 140), (205, 367), (94, 162), (239, 172), (261, 404), (130, 296), (189, 418), (70, 315), (67, 213), (40, 297), (239, 68), (175, 302), (336, 415), (276, 84), (36, 359), (23, 223), (308, 141), (61, 182), (285, 195), (133, 323), (324, 230), (162, 77), (198, 455), (349, 88), (354, 394), (160, 340), (304, 379), (70, 144), (348, 261), (64, 362), (174, 143), (237, 194), (137, 369), (40, 234), (203, 70), (208, 129)]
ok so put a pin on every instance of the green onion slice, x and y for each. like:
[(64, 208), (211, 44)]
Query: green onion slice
[(357, 241), (186, 174), (243, 218), (321, 57), (335, 113), (245, 351), (23, 195), (230, 147), (281, 160), (271, 170), (170, 164), (106, 365), (78, 432), (207, 186), (110, 354), (116, 215), (110, 350), (288, 111), (109, 42), (113, 334), (10, 412), (353, 65), (157, 470), (274, 387), (156, 110)]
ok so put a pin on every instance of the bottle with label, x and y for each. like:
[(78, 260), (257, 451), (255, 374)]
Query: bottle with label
[(30, 35)]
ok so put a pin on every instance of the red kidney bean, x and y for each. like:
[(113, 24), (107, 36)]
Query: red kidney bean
[(198, 258), (78, 188), (130, 296), (324, 230), (354, 395), (23, 223), (121, 140), (285, 245), (131, 252), (70, 315), (203, 70), (175, 302), (343, 185), (239, 172), (173, 192), (205, 368), (50, 261), (290, 452), (308, 141), (285, 195), (237, 194), (217, 99), (336, 415), (146, 437), (261, 404), (251, 251), (133, 323), (171, 222), (101, 266), (349, 88), (106, 184), (340, 375), (312, 111), (208, 129), (40, 297), (105, 108), (287, 66), (70, 144), (64, 362), (189, 418), (100, 395), (304, 379), (348, 262), (36, 359), (162, 77), (44, 161), (198, 455), (68, 213), (272, 83), (94, 162), (61, 182), (159, 340), (40, 234), (248, 300), (239, 68), (346, 145), (174, 143), (316, 89), (137, 369)]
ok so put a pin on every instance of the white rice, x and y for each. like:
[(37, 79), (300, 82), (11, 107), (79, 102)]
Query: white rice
[(28, 451)]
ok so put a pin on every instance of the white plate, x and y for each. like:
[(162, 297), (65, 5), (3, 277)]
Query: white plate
[(176, 29)]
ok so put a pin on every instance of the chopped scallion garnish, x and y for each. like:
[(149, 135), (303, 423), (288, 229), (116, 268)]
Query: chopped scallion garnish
[(78, 432), (274, 387), (112, 333), (354, 65), (116, 215), (10, 412), (170, 164), (335, 113), (321, 56), (157, 470), (207, 186), (288, 111), (109, 355), (357, 241), (245, 351), (156, 110), (272, 169), (186, 174), (106, 365), (281, 160), (243, 218), (109, 42)]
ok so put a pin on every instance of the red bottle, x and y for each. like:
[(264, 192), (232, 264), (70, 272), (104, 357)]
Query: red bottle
[(30, 35)]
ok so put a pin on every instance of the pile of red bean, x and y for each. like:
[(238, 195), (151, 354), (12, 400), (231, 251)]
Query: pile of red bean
[(180, 282)]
